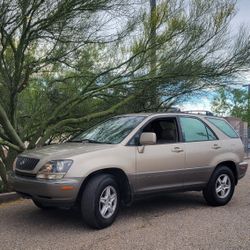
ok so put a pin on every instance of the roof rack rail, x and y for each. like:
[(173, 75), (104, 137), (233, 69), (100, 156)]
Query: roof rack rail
[(174, 110), (199, 112)]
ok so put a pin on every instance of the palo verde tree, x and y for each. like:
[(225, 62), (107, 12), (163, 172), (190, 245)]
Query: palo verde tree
[(62, 65), (40, 36), (192, 49)]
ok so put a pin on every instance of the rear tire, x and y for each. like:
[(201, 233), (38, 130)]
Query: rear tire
[(100, 201), (220, 188)]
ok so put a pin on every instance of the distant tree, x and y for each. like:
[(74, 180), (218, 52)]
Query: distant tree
[(231, 102)]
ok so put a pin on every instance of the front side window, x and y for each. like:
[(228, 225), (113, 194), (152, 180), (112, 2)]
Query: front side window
[(165, 129), (112, 131), (195, 130), (223, 126)]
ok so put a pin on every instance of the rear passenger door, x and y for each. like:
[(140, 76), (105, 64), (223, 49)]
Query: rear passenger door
[(201, 146)]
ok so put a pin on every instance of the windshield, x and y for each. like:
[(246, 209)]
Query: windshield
[(112, 131)]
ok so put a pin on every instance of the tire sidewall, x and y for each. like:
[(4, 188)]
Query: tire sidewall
[(222, 170)]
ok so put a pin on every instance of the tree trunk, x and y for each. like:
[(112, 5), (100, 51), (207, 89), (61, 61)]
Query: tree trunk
[(3, 175), (9, 160), (13, 106), (6, 165), (153, 58), (153, 36)]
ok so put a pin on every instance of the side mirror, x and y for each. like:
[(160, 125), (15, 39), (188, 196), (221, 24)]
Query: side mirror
[(148, 138)]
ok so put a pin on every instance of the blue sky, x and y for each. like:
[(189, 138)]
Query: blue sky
[(243, 15), (242, 18)]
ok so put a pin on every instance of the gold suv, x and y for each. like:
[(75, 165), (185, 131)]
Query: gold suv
[(129, 156)]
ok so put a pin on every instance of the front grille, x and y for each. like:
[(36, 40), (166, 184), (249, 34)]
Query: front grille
[(25, 163), (23, 174)]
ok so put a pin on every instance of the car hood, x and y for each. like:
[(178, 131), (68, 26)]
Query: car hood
[(65, 150)]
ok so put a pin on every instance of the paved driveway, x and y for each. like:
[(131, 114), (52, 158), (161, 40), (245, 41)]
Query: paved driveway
[(176, 221)]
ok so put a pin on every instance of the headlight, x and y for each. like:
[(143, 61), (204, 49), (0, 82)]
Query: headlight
[(54, 169)]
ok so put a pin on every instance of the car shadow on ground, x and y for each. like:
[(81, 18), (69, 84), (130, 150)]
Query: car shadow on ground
[(150, 206), (172, 202)]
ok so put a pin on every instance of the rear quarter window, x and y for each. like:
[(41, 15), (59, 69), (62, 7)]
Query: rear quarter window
[(224, 127)]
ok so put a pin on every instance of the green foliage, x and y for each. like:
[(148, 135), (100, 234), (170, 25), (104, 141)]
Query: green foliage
[(65, 65), (231, 102)]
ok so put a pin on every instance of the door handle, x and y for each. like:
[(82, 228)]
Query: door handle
[(177, 150), (216, 146)]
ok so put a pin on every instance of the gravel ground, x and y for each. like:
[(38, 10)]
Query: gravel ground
[(175, 221)]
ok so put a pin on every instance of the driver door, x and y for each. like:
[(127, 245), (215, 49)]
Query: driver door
[(160, 166)]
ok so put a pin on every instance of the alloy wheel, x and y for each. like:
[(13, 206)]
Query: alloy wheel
[(108, 202)]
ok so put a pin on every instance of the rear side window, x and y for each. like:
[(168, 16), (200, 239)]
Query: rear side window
[(223, 126), (195, 130)]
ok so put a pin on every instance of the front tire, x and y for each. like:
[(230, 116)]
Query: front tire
[(220, 188), (100, 201)]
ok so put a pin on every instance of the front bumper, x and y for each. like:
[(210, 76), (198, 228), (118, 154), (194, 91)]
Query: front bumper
[(63, 191)]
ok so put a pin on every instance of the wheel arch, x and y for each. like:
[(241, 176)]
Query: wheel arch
[(122, 181)]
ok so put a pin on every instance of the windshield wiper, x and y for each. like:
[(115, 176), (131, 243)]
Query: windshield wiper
[(89, 141), (92, 141)]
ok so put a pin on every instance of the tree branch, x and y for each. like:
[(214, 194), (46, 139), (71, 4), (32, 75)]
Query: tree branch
[(11, 132)]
